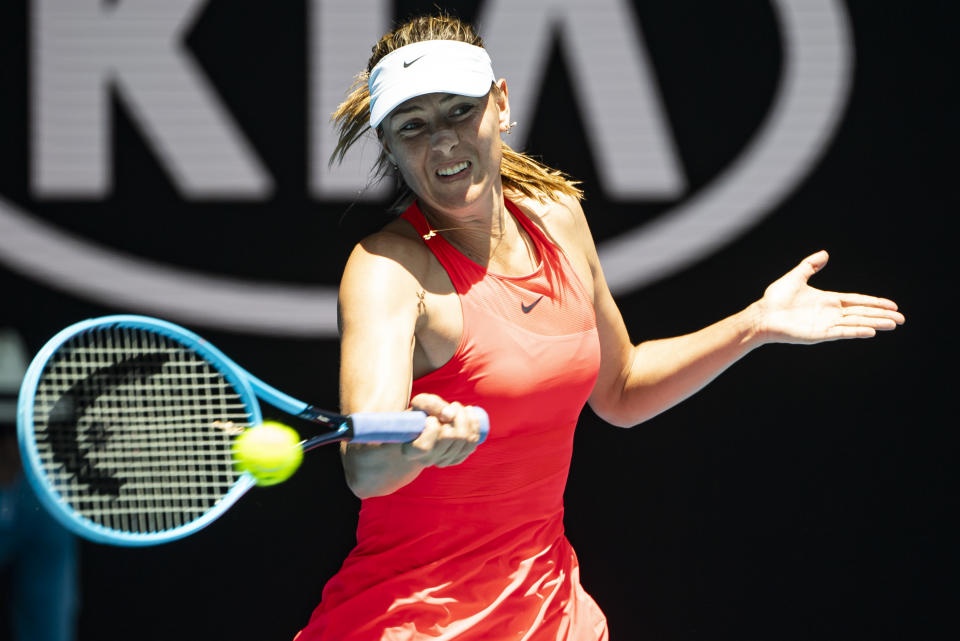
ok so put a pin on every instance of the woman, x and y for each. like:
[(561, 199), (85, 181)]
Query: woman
[(487, 291)]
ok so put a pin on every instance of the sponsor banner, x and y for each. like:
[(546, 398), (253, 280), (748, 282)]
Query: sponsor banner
[(176, 162)]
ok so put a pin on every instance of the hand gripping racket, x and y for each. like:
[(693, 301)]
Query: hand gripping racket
[(126, 426)]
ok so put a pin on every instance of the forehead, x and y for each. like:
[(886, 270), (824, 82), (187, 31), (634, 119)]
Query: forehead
[(429, 100)]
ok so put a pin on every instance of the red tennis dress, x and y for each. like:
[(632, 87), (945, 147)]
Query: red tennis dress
[(477, 550)]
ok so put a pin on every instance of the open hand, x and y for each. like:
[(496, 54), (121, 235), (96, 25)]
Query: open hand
[(791, 311)]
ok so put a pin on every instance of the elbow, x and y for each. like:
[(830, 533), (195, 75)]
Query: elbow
[(363, 486), (609, 406), (373, 470), (358, 483), (619, 419), (615, 413), (364, 492), (613, 407)]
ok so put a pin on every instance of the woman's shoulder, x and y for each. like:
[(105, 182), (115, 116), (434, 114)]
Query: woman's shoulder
[(396, 250), (397, 237), (397, 240), (560, 216)]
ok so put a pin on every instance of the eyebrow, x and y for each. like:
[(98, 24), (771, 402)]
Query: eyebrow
[(414, 107)]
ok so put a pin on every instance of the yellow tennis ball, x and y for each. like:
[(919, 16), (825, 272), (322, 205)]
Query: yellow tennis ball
[(269, 451)]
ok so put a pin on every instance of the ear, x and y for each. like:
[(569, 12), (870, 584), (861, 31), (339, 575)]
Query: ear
[(502, 98), (385, 146)]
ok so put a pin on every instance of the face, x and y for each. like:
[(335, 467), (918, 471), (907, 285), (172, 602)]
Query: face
[(447, 147)]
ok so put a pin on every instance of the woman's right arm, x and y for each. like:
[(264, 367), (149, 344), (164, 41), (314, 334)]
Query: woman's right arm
[(380, 309)]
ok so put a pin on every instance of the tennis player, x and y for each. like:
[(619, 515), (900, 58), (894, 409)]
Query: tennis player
[(486, 290)]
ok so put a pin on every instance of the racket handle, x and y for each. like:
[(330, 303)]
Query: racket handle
[(400, 427)]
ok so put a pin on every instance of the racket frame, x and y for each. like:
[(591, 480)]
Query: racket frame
[(247, 386)]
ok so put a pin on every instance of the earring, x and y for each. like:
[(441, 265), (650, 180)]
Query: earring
[(509, 129)]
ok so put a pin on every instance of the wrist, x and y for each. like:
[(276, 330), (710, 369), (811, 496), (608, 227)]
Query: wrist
[(755, 331)]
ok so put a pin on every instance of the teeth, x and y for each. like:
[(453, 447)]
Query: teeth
[(456, 169)]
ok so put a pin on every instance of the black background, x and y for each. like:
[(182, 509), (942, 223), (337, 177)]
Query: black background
[(808, 493)]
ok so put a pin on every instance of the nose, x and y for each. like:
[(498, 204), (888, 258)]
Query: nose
[(443, 140)]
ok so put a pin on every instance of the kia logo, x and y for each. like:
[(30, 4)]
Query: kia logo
[(81, 51)]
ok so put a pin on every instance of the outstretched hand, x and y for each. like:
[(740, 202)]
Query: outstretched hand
[(791, 311)]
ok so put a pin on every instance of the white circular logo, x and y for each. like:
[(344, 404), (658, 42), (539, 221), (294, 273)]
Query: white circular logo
[(812, 91)]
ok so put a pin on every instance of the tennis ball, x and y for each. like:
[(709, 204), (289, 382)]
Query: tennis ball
[(270, 452)]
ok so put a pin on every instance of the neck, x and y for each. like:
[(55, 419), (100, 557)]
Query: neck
[(479, 229), (488, 235)]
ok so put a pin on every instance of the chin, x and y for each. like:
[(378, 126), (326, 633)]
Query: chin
[(452, 200)]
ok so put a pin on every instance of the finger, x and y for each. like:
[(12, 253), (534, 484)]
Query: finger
[(433, 405), (849, 299), (455, 437), (841, 331), (456, 454), (453, 453), (867, 321), (440, 444), (466, 423), (811, 264), (874, 312), (463, 435), (449, 452), (424, 444)]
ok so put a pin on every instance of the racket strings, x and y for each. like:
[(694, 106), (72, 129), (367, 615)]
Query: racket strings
[(128, 429)]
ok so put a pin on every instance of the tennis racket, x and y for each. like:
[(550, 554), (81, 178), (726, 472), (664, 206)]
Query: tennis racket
[(126, 425)]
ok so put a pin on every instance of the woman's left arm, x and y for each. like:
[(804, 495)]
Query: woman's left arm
[(637, 382)]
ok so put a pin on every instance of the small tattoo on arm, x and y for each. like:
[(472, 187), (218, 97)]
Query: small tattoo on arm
[(421, 306)]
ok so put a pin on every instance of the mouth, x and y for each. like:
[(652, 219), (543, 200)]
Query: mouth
[(453, 170)]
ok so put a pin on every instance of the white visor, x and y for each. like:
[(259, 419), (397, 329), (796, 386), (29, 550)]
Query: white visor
[(431, 66)]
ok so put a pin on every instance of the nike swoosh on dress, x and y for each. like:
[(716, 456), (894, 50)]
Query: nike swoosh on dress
[(526, 308)]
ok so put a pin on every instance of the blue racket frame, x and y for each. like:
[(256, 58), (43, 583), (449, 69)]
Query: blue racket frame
[(249, 388)]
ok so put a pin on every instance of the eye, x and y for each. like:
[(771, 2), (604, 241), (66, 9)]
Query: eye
[(410, 125), (462, 109)]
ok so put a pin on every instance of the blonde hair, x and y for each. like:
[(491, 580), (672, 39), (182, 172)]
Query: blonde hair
[(518, 171)]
